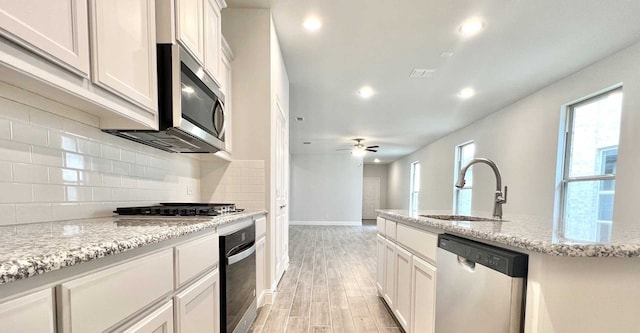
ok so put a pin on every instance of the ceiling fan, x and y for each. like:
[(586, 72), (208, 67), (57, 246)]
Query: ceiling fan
[(359, 149)]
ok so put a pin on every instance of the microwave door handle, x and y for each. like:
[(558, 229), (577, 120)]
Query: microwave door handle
[(217, 107)]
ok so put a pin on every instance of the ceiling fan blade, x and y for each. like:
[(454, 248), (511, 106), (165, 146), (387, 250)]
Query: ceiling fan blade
[(344, 149), (373, 147), (371, 150)]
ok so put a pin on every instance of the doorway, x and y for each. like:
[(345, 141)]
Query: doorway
[(370, 197)]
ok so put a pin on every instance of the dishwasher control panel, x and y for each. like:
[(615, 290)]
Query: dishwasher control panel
[(505, 261)]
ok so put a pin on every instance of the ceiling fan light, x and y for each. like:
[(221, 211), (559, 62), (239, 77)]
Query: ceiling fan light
[(359, 152)]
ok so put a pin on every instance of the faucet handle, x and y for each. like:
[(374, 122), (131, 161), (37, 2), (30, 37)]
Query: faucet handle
[(504, 195)]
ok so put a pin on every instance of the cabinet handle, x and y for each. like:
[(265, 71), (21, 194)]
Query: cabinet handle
[(282, 206)]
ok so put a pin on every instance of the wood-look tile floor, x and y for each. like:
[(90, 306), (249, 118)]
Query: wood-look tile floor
[(329, 286)]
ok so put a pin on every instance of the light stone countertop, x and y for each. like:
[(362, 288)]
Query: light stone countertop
[(528, 233), (28, 250)]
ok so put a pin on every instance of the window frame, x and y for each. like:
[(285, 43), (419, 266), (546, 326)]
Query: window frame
[(565, 152), (458, 165), (412, 191)]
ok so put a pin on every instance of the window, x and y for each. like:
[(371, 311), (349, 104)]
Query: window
[(589, 170), (462, 196), (414, 186)]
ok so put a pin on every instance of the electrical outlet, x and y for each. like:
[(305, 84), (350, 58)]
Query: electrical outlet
[(189, 189)]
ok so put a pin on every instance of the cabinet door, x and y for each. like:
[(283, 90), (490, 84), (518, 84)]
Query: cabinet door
[(190, 26), (380, 269), (198, 307), (31, 313), (389, 273), (212, 39), (260, 269), (423, 286), (225, 84), (97, 301), (123, 45), (58, 30), (159, 321), (402, 308)]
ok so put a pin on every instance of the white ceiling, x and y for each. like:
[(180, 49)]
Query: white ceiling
[(525, 45)]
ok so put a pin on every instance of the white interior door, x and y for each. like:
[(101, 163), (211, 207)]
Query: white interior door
[(282, 192), (370, 197)]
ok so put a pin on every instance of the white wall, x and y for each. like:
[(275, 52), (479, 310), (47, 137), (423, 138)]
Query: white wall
[(56, 168), (522, 139), (381, 171), (326, 189)]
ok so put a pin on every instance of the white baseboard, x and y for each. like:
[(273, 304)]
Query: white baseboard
[(267, 297), (345, 223)]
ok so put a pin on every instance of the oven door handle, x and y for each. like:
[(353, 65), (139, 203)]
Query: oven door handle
[(242, 255)]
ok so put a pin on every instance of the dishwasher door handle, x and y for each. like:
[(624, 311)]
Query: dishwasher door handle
[(242, 255), (467, 264)]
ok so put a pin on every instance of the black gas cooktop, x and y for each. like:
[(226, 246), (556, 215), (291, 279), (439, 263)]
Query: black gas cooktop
[(181, 209)]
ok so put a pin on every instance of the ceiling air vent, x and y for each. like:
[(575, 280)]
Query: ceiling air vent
[(422, 73), (306, 142), (298, 118)]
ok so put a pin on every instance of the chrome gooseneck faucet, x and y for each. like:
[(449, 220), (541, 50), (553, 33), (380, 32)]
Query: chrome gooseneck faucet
[(500, 197)]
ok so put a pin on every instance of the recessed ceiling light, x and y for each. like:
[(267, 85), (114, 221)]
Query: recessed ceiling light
[(466, 93), (365, 92), (377, 160), (312, 24), (471, 27)]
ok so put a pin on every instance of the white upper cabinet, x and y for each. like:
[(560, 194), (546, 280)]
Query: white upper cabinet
[(225, 86), (212, 39), (57, 30), (190, 26), (123, 45)]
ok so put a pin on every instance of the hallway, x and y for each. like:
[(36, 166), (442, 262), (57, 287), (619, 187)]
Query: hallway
[(329, 286)]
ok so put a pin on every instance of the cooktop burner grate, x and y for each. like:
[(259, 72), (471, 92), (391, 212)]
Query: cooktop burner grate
[(180, 209)]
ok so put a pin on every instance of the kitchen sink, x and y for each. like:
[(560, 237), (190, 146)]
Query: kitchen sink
[(462, 218)]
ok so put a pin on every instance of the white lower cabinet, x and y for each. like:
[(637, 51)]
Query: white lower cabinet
[(95, 302), (389, 273), (405, 276), (380, 241), (402, 309), (197, 308), (159, 321), (423, 297), (31, 313), (260, 269)]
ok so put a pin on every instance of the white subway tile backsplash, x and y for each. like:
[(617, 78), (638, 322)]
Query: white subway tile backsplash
[(14, 151), (27, 133), (12, 193), (27, 213), (7, 214), (241, 182), (48, 193), (5, 129), (46, 156), (102, 194), (77, 161), (5, 172), (89, 147), (111, 152), (30, 173), (63, 141), (54, 168), (78, 193)]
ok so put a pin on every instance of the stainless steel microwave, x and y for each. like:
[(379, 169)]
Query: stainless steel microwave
[(190, 107)]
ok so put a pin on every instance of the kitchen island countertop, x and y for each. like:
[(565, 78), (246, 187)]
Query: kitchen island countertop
[(28, 250), (528, 233)]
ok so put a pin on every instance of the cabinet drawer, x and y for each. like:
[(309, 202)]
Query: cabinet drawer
[(422, 242), (159, 321), (261, 227), (390, 229), (98, 301), (380, 223), (195, 257), (31, 313)]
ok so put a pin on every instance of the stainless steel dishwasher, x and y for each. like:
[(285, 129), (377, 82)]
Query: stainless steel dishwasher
[(480, 288)]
